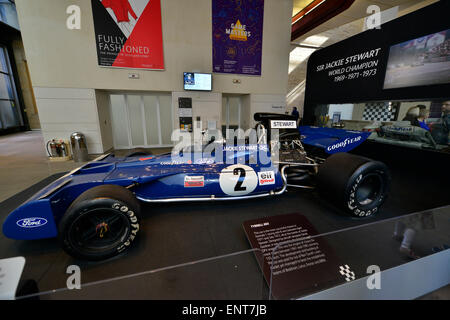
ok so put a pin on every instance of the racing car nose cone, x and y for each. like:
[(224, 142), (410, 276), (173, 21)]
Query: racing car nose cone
[(101, 229)]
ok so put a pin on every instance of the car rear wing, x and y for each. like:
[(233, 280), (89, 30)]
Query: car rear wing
[(267, 122), (266, 116)]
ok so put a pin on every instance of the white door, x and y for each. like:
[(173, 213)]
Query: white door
[(231, 112), (141, 120)]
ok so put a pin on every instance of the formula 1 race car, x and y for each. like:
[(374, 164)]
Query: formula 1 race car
[(402, 133), (95, 210)]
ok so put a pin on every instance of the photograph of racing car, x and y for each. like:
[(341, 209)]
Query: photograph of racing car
[(421, 125), (94, 211), (418, 62)]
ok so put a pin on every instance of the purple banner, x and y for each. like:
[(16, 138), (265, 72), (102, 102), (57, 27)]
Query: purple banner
[(237, 36)]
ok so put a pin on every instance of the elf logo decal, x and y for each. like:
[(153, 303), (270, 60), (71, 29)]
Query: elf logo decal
[(197, 181), (266, 177), (238, 179), (238, 32), (31, 222)]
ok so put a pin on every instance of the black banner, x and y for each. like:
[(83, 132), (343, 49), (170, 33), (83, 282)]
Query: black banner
[(354, 70)]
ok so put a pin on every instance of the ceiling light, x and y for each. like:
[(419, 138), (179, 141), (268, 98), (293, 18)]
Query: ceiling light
[(315, 41), (297, 56)]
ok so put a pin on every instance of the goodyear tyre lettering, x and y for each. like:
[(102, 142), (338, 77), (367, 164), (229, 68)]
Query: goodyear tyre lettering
[(352, 203), (111, 198)]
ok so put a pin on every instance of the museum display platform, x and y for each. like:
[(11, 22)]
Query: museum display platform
[(200, 250)]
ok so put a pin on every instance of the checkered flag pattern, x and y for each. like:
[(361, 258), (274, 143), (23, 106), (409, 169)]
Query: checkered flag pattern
[(347, 273), (379, 111)]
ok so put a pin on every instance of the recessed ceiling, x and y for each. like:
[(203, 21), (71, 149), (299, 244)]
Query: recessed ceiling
[(299, 5), (356, 11)]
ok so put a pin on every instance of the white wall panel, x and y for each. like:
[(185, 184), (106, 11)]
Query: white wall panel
[(63, 93), (62, 127), (206, 105), (63, 63), (63, 111), (104, 116), (67, 111), (59, 57), (266, 103)]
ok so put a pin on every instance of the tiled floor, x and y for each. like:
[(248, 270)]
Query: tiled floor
[(441, 294), (23, 162)]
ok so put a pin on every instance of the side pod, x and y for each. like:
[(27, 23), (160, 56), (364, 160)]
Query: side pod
[(33, 220)]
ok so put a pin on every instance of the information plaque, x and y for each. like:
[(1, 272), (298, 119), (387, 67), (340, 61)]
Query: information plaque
[(302, 263)]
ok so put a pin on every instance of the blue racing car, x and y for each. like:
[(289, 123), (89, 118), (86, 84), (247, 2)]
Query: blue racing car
[(95, 210)]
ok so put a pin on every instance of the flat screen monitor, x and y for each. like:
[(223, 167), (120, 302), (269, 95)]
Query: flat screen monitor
[(197, 81), (419, 62)]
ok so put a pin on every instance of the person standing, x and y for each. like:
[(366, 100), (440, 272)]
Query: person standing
[(441, 129), (446, 113), (295, 114), (423, 116)]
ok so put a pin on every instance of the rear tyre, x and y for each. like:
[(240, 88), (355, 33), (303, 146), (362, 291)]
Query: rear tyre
[(101, 223), (356, 184)]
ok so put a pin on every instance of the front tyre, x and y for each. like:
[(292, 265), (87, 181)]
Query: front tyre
[(101, 223), (356, 184)]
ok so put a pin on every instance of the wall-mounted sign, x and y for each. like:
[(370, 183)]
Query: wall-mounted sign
[(395, 62), (10, 273), (237, 36), (185, 114), (283, 124), (128, 33)]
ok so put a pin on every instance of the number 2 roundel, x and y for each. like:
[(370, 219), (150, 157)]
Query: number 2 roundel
[(238, 180)]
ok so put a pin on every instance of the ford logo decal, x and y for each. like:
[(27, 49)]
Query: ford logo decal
[(31, 222)]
